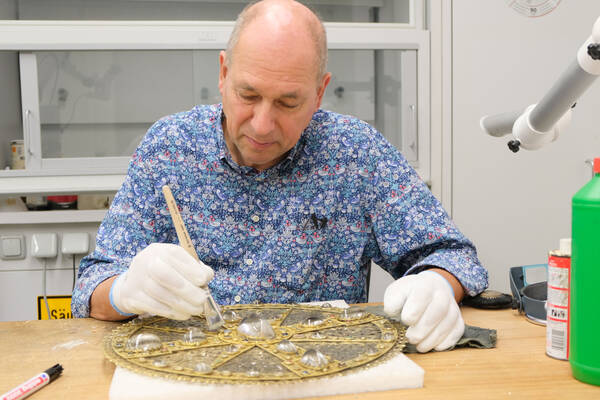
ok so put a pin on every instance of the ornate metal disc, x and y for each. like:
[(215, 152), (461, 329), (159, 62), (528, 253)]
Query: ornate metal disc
[(264, 343)]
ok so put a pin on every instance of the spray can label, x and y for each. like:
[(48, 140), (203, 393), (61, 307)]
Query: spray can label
[(557, 305)]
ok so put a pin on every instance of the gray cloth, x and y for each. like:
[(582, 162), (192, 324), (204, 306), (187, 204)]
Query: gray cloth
[(481, 338)]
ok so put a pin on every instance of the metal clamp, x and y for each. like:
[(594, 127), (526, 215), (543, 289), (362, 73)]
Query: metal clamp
[(529, 299)]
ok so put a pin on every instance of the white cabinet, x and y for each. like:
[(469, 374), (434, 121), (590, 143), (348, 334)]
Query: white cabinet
[(90, 89)]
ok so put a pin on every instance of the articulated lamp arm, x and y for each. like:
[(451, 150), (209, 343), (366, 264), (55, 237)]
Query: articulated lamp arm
[(541, 123)]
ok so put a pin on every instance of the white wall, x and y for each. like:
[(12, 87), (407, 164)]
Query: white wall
[(516, 207)]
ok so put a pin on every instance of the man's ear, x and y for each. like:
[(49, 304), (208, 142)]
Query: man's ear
[(321, 89), (223, 70)]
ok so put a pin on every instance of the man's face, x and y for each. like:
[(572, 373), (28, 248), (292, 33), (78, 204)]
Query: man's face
[(270, 93)]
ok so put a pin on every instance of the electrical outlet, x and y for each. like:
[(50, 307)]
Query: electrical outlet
[(44, 245), (75, 243)]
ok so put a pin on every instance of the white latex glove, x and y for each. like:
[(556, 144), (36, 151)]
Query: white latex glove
[(163, 279), (425, 303)]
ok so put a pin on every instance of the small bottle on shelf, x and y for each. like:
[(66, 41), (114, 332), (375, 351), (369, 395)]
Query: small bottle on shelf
[(36, 203)]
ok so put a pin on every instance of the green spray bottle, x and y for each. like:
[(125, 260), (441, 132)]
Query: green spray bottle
[(584, 310)]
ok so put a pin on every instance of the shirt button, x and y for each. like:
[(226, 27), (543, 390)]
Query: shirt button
[(255, 218), (248, 261), (237, 298)]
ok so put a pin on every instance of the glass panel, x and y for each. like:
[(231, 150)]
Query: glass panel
[(11, 129), (101, 103), (367, 84), (396, 11), (390, 11)]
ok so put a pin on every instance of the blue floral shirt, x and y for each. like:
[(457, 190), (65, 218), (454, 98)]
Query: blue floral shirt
[(305, 229)]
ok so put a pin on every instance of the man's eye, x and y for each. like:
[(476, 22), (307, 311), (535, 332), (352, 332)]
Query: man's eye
[(249, 97), (287, 105)]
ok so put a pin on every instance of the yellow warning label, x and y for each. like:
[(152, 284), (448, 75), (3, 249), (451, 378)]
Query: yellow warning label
[(60, 307)]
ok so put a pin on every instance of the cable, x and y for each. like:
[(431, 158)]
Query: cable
[(73, 288), (44, 286)]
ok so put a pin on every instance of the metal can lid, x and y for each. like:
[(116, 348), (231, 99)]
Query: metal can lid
[(16, 141), (565, 246)]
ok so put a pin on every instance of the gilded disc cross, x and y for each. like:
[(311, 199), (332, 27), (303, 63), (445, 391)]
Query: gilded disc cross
[(259, 343)]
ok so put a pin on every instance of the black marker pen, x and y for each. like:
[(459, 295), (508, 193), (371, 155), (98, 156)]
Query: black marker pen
[(34, 384)]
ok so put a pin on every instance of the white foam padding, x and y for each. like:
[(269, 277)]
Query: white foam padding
[(398, 373)]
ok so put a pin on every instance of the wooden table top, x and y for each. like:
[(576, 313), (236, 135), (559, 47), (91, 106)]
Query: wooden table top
[(517, 368)]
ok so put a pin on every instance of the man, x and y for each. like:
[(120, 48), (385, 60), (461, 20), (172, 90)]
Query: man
[(284, 202)]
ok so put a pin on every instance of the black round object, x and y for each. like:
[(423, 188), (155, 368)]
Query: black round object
[(489, 299), (514, 145), (594, 51)]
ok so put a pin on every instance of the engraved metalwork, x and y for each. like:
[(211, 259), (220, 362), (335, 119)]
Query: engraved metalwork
[(259, 343)]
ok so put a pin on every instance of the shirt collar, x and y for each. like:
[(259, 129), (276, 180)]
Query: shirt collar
[(221, 146)]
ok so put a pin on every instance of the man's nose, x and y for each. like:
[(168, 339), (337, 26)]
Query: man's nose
[(263, 119)]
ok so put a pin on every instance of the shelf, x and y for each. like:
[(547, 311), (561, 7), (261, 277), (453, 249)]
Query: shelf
[(15, 184), (51, 217)]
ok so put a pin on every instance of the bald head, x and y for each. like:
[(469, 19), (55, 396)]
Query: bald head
[(285, 18)]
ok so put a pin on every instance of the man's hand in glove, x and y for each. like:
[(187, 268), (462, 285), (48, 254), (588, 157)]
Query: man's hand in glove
[(163, 279), (426, 303)]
